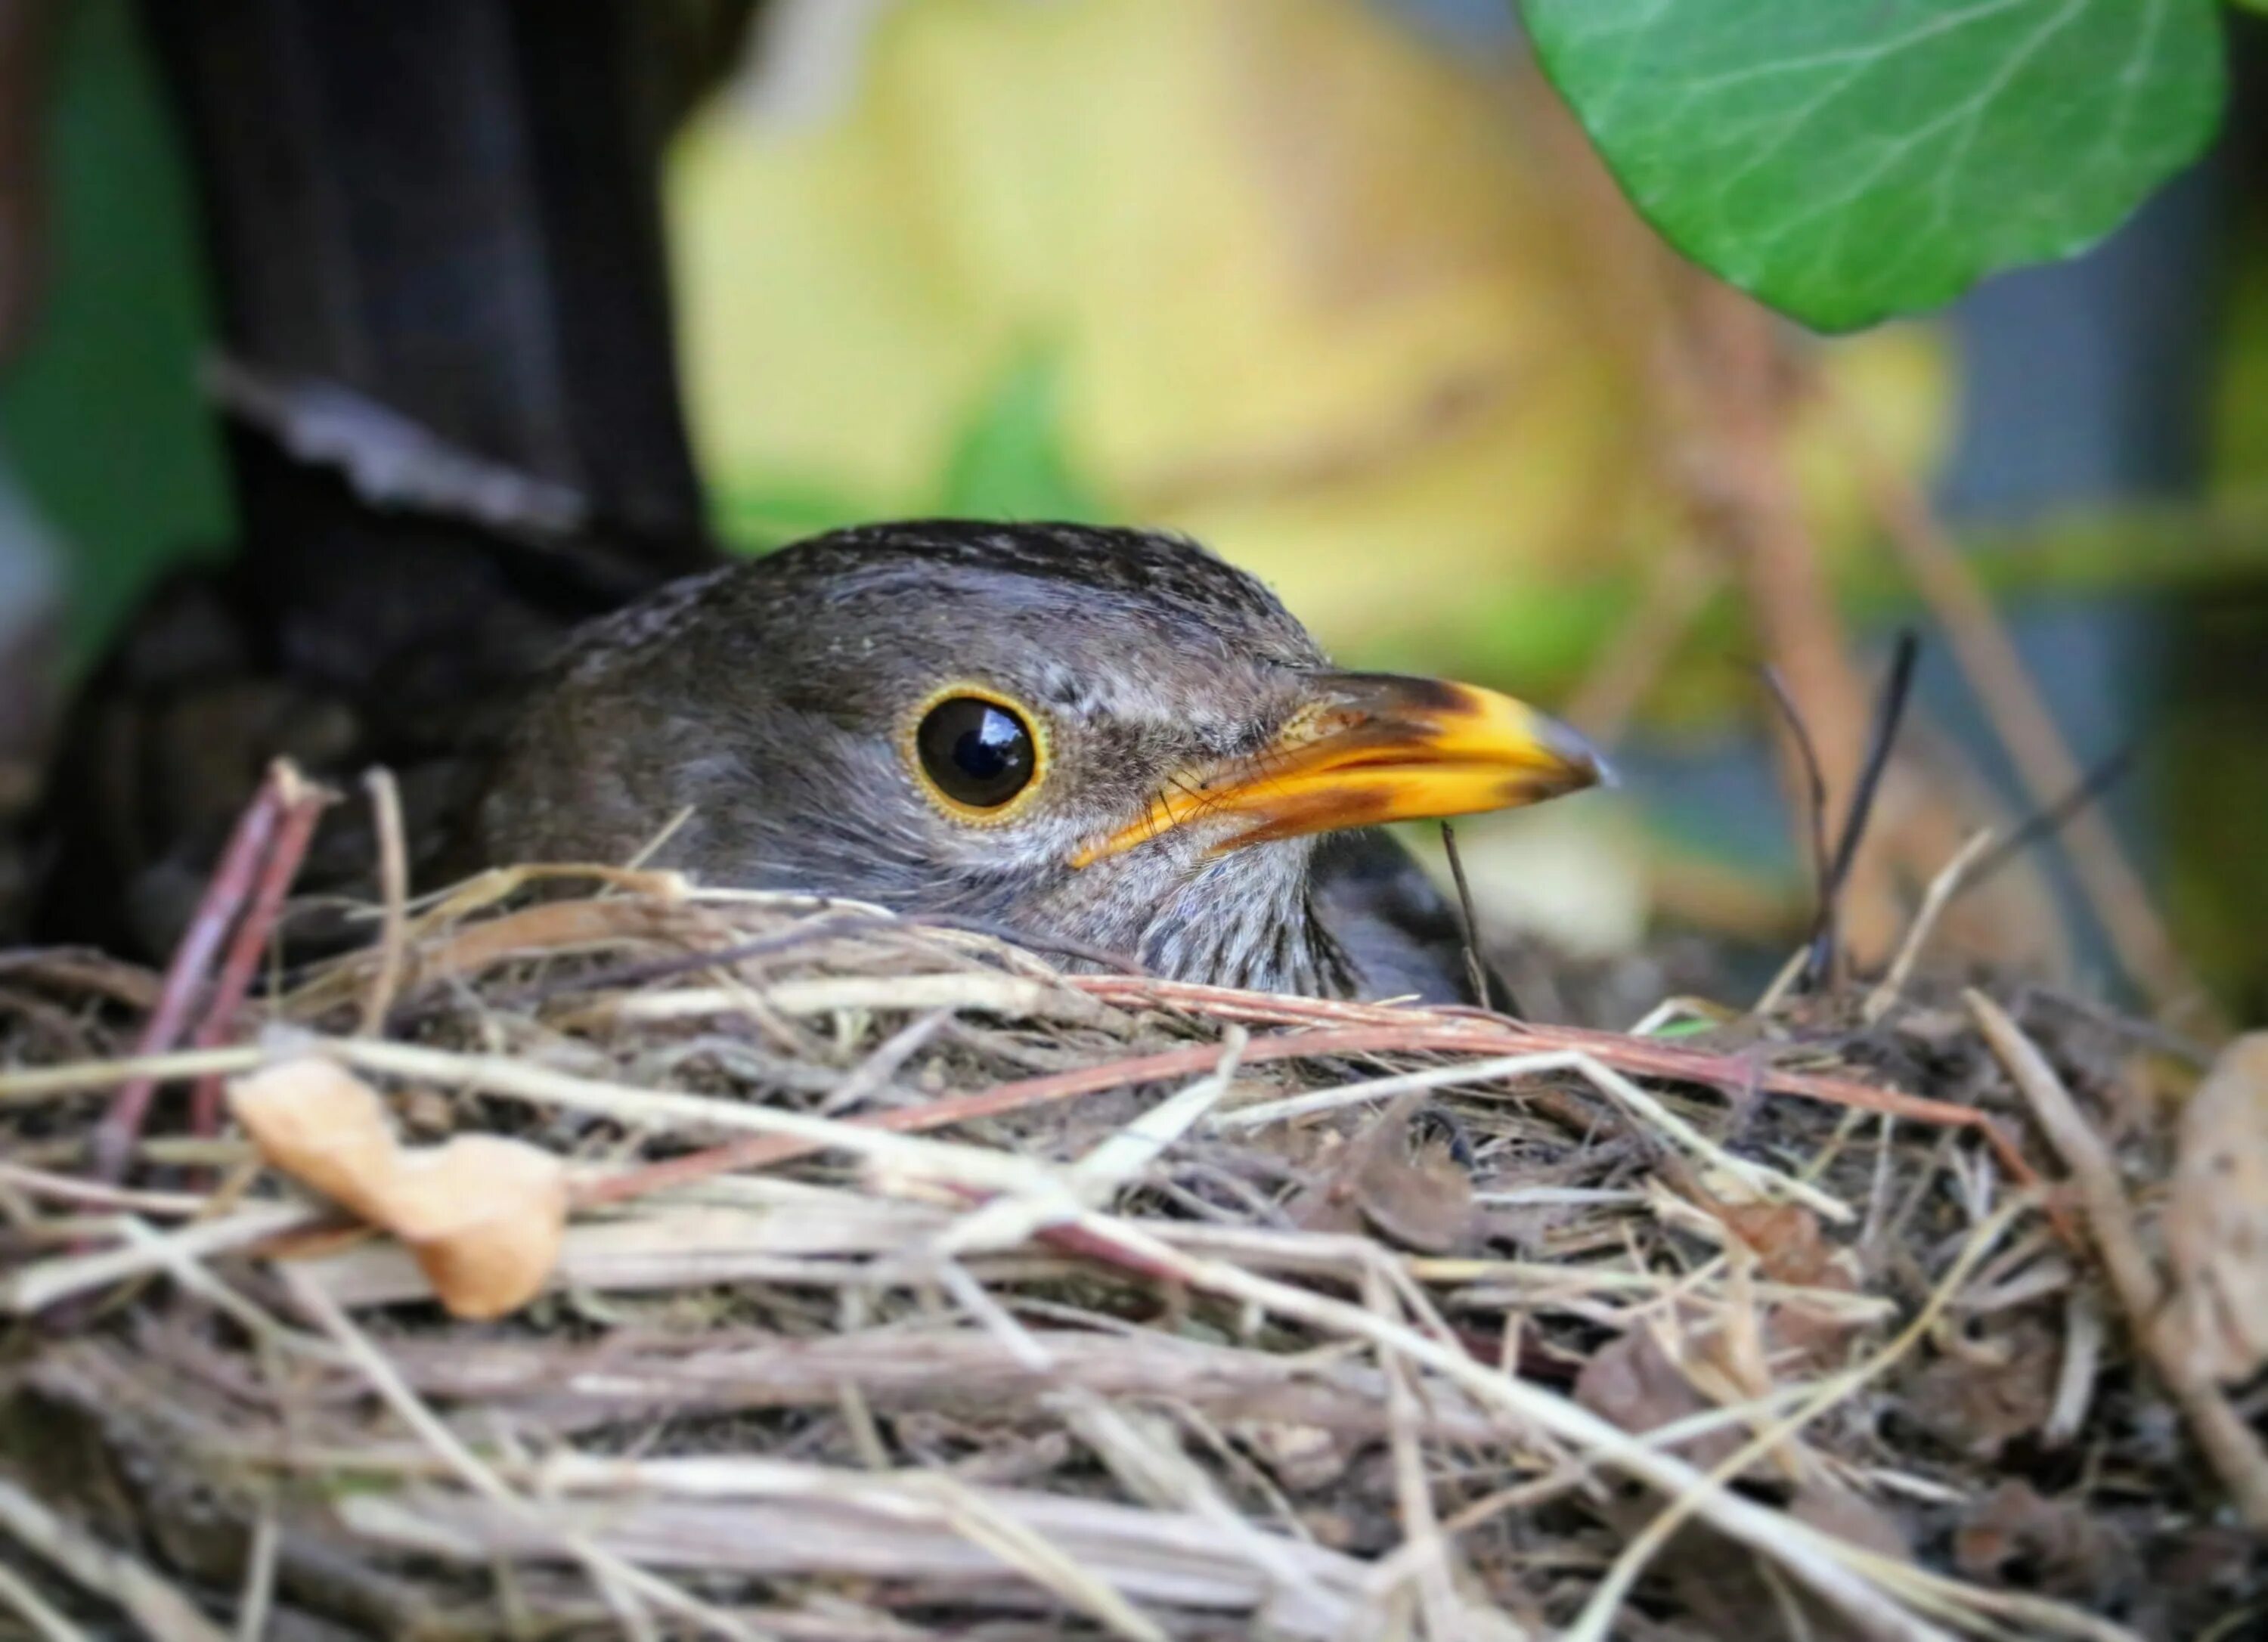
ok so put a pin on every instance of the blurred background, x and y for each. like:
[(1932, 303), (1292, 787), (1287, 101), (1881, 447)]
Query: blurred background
[(1334, 285)]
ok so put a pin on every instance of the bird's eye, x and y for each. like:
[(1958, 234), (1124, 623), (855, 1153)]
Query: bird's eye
[(977, 754)]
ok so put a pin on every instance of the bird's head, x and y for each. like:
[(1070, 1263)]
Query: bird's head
[(1107, 736)]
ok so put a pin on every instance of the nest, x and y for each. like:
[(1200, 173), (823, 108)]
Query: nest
[(906, 1286)]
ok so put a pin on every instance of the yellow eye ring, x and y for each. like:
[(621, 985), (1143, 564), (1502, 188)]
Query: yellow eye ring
[(978, 756)]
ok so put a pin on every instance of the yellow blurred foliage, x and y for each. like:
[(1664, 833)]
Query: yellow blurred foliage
[(1308, 290)]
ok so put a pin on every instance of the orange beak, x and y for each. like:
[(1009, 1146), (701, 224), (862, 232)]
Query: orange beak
[(1374, 747)]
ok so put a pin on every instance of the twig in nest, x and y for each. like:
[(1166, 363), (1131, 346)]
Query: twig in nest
[(1057, 945), (1890, 710), (762, 1150), (1956, 875), (1476, 973), (645, 971), (1823, 1562), (2235, 1452), (113, 1141), (477, 1474), (303, 807), (1814, 782), (157, 1607), (1463, 1032), (393, 899), (1598, 1616)]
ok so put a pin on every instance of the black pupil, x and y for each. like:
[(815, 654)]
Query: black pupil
[(977, 752)]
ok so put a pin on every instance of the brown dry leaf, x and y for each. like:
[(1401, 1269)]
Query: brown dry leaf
[(483, 1215), (1419, 1197), (1421, 1200), (1328, 1204), (1982, 1402), (1792, 1247), (1719, 1584), (1633, 1382), (1788, 1243), (2064, 1548), (321, 1125), (1306, 1459), (2217, 1217)]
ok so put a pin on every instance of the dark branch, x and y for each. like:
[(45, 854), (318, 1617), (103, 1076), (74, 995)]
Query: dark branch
[(2043, 824), (1889, 711), (1476, 973)]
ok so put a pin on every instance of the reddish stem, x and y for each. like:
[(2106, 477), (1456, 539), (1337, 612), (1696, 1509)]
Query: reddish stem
[(760, 1151), (303, 807), (114, 1137), (1469, 1031)]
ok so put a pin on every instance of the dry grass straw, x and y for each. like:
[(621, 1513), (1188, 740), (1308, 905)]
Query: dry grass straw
[(916, 1289)]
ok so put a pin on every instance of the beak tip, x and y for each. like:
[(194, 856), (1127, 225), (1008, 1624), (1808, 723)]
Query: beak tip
[(1589, 766)]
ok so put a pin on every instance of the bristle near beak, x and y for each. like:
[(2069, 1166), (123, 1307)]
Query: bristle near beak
[(1375, 747)]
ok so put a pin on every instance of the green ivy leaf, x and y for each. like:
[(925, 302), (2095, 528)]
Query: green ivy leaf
[(1845, 160)]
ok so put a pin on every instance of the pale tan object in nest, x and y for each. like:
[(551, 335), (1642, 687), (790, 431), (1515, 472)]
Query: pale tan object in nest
[(2217, 1220), (484, 1215)]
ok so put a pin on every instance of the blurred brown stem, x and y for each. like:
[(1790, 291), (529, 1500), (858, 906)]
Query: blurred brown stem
[(1712, 370), (1742, 483)]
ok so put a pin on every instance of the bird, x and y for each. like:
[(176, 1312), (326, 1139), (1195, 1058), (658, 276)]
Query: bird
[(1105, 738)]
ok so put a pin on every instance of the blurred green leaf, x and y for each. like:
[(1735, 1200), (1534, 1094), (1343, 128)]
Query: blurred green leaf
[(755, 518), (2240, 365), (1009, 460), (118, 338), (1556, 630), (1849, 160)]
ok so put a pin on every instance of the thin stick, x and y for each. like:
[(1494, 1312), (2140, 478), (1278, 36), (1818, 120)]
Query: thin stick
[(1260, 1114), (303, 805), (1423, 1549), (763, 1151), (1815, 784), (393, 899), (46, 1621), (2228, 1442), (1949, 884), (33, 1288), (1890, 710), (395, 1392), (95, 1195), (35, 1083), (2045, 822), (111, 1146), (160, 1610), (1816, 1558), (1476, 974), (1598, 1615), (257, 1600)]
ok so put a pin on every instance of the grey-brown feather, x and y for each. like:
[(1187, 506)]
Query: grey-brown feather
[(767, 703)]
